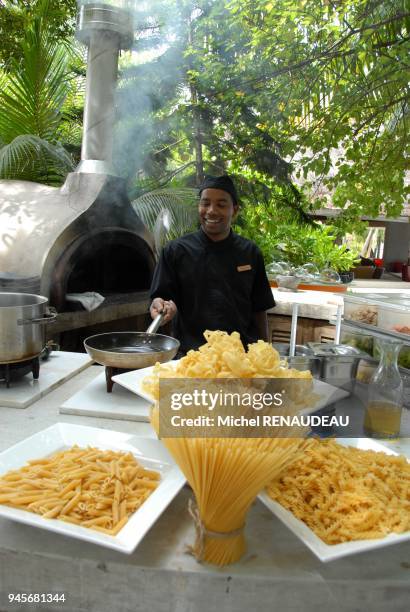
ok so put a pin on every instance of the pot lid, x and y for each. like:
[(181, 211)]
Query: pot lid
[(12, 276), (335, 350), (300, 349), (12, 282)]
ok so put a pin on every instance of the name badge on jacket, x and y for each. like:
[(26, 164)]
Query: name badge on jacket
[(244, 268)]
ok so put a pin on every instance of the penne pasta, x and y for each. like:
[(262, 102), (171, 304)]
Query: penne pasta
[(71, 504), (71, 485), (87, 487), (123, 509), (140, 482), (99, 520), (115, 511), (53, 512), (119, 526)]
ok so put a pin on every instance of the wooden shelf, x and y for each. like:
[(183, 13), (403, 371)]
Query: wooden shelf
[(308, 330)]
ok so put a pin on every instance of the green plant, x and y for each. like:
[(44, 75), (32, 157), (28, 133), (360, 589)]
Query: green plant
[(32, 93), (182, 213), (326, 253), (320, 85), (280, 238)]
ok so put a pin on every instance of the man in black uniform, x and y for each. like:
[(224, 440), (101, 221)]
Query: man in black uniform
[(213, 278)]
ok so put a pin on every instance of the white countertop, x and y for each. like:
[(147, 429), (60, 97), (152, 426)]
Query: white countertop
[(312, 304), (389, 281), (323, 304), (160, 576), (58, 368)]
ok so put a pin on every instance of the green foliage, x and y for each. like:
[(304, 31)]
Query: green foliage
[(16, 16), (337, 76), (326, 253), (32, 94), (182, 213), (280, 238), (181, 119), (274, 92), (29, 157)]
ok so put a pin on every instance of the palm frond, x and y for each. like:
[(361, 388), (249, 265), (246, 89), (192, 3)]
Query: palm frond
[(34, 91), (181, 204), (32, 95), (32, 158)]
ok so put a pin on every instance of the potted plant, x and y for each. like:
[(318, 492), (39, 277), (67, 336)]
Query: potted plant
[(315, 244), (296, 243), (327, 254)]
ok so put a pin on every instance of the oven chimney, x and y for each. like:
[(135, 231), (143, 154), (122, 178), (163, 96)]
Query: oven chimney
[(105, 29)]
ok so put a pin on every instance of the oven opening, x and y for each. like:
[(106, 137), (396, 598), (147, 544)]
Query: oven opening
[(110, 269), (116, 264)]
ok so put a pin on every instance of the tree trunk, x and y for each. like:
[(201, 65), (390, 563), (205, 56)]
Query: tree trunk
[(196, 124)]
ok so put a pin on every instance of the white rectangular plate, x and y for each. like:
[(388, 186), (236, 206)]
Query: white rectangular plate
[(328, 394), (133, 380), (150, 453), (326, 552)]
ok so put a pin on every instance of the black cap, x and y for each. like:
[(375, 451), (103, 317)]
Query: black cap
[(220, 182)]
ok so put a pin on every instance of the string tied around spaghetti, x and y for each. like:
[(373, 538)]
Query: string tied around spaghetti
[(202, 532)]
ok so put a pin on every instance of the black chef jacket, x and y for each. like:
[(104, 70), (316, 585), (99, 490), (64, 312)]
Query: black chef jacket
[(215, 285)]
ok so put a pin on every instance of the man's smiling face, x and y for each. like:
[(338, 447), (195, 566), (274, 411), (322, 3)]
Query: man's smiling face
[(216, 212)]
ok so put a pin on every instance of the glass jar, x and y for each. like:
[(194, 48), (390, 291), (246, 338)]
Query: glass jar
[(385, 399)]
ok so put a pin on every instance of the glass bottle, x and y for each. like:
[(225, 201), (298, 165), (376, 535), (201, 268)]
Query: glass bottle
[(385, 400)]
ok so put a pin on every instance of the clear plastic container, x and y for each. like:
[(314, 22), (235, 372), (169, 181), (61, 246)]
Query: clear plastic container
[(395, 316), (360, 309), (358, 340), (390, 312)]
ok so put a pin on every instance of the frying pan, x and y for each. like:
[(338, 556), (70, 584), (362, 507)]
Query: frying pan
[(132, 350)]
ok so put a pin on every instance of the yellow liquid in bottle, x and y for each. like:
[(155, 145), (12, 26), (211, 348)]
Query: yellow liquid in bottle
[(382, 420)]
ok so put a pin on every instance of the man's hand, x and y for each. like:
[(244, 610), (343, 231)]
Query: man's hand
[(162, 306)]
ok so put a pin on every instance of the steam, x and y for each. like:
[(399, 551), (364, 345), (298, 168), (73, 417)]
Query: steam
[(150, 75)]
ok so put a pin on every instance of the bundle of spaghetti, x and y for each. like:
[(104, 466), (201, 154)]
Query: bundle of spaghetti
[(226, 474), (345, 493), (86, 486)]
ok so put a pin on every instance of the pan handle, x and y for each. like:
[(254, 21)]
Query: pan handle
[(152, 329)]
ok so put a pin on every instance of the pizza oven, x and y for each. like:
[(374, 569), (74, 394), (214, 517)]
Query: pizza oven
[(84, 236)]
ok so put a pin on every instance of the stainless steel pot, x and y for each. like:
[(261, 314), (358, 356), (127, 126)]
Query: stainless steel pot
[(339, 363), (305, 362), (23, 317), (283, 349), (304, 358)]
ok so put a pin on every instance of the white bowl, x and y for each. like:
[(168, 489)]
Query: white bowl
[(287, 283)]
